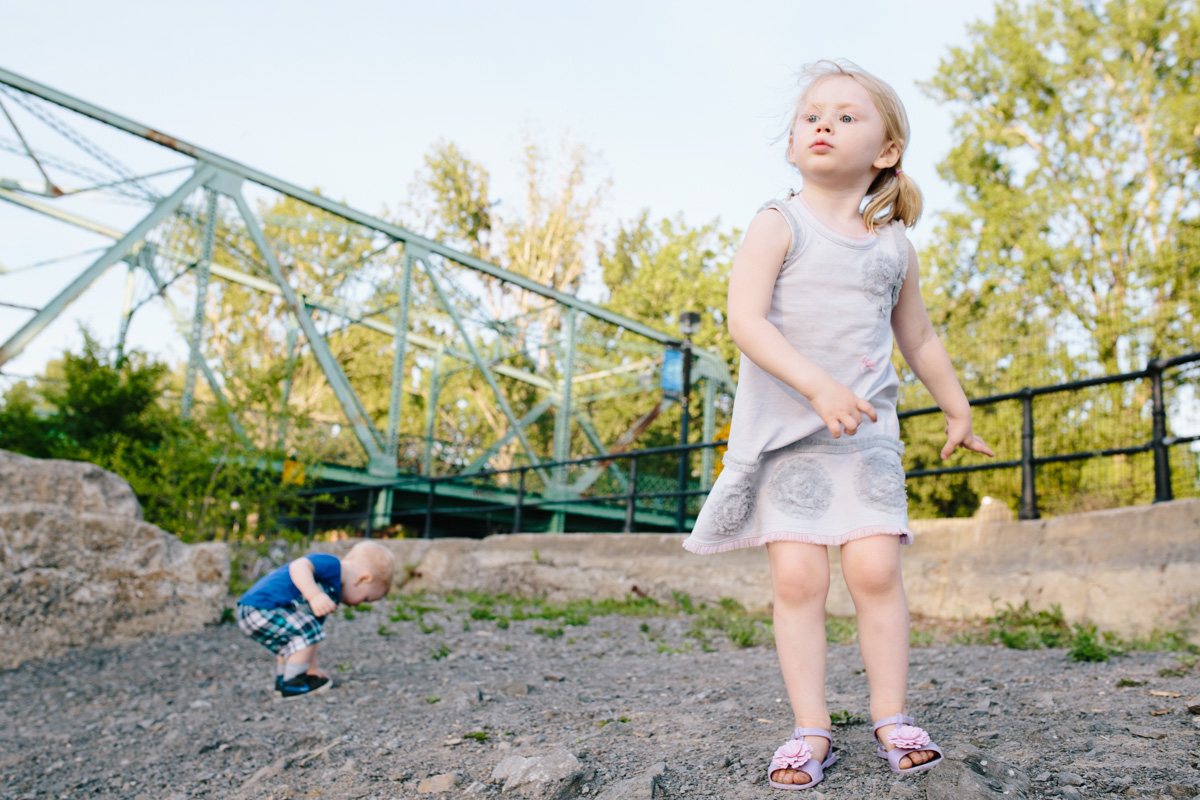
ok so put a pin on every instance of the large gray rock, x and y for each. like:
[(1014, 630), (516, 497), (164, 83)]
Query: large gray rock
[(79, 567), (556, 775), (971, 774)]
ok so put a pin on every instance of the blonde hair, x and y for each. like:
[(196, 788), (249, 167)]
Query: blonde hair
[(892, 195), (377, 559)]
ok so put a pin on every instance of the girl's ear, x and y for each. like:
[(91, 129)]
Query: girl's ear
[(791, 149), (363, 577), (888, 157)]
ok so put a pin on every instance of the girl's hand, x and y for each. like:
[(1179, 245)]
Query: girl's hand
[(321, 604), (959, 434), (841, 409)]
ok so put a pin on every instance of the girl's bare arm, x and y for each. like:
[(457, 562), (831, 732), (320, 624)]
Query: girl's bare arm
[(927, 357)]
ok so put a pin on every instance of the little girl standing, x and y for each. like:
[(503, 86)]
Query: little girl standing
[(817, 291)]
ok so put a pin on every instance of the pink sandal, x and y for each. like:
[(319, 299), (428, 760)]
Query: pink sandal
[(907, 739), (798, 754)]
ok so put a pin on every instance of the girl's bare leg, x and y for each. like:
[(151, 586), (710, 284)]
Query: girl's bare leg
[(799, 585), (871, 567)]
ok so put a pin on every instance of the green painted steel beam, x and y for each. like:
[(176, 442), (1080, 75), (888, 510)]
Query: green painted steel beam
[(448, 307), (338, 209), (16, 343), (356, 415)]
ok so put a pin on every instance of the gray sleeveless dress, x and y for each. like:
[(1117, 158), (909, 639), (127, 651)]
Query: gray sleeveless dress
[(785, 478)]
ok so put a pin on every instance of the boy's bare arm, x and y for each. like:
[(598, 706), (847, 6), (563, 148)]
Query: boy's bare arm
[(303, 578)]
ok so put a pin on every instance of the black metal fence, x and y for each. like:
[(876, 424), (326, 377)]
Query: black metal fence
[(1053, 428)]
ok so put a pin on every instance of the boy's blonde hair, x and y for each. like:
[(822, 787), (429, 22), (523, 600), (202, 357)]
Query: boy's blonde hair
[(378, 560), (892, 195)]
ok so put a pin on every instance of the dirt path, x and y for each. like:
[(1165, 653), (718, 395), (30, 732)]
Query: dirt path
[(194, 716)]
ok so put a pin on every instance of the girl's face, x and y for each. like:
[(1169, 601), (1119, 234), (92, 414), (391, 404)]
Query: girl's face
[(839, 136)]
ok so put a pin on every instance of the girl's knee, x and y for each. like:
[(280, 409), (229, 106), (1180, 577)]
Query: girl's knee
[(873, 579), (796, 589)]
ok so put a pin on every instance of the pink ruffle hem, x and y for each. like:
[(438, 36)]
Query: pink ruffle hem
[(906, 537)]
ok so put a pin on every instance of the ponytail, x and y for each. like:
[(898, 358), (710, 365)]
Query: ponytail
[(893, 195)]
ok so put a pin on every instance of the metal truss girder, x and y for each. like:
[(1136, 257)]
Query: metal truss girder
[(356, 415), (527, 420), (195, 356), (16, 343), (338, 209), (483, 367), (593, 473), (146, 262), (399, 346)]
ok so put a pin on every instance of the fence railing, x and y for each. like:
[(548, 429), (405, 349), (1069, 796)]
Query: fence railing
[(646, 488)]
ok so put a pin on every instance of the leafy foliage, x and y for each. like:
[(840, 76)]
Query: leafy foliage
[(196, 479)]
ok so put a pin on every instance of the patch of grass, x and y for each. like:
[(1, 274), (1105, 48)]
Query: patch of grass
[(433, 699), (604, 722), (741, 627), (1125, 683), (348, 612), (427, 629), (1090, 645), (441, 652), (479, 736), (844, 718), (228, 616), (1187, 662), (684, 601), (841, 630), (384, 630), (686, 647), (549, 633)]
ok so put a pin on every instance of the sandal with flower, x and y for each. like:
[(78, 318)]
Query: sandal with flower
[(906, 739), (798, 754)]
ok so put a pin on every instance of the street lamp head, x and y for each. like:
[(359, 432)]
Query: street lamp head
[(689, 322)]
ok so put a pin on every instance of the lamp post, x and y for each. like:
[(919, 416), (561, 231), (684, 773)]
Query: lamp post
[(689, 323)]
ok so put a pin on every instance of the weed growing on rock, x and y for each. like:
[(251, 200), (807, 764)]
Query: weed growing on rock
[(441, 652)]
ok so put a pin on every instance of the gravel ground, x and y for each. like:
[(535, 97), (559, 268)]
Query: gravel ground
[(195, 715)]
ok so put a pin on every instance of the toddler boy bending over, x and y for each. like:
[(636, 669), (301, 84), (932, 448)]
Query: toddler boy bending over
[(285, 610)]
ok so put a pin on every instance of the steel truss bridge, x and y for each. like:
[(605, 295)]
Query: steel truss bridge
[(86, 189)]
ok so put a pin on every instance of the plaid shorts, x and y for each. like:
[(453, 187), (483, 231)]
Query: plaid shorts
[(284, 630)]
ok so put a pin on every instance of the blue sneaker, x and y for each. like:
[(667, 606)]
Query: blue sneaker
[(279, 683), (304, 684)]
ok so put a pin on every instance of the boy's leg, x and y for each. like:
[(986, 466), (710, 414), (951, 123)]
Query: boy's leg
[(304, 660), (871, 567), (799, 586)]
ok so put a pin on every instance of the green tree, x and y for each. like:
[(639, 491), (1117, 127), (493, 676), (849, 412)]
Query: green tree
[(197, 479), (1071, 252)]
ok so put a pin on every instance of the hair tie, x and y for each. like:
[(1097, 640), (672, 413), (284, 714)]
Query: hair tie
[(899, 172)]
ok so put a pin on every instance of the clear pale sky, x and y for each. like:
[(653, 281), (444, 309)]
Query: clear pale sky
[(679, 100)]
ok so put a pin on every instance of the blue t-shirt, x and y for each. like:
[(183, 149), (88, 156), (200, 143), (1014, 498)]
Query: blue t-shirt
[(276, 590)]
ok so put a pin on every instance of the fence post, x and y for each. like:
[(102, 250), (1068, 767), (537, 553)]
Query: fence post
[(1162, 456), (370, 511), (631, 497), (312, 519), (429, 512), (520, 500), (1029, 509)]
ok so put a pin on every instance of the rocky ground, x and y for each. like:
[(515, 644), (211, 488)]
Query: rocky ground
[(444, 704)]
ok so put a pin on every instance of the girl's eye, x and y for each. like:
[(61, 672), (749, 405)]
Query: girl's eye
[(847, 118), (811, 118)]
